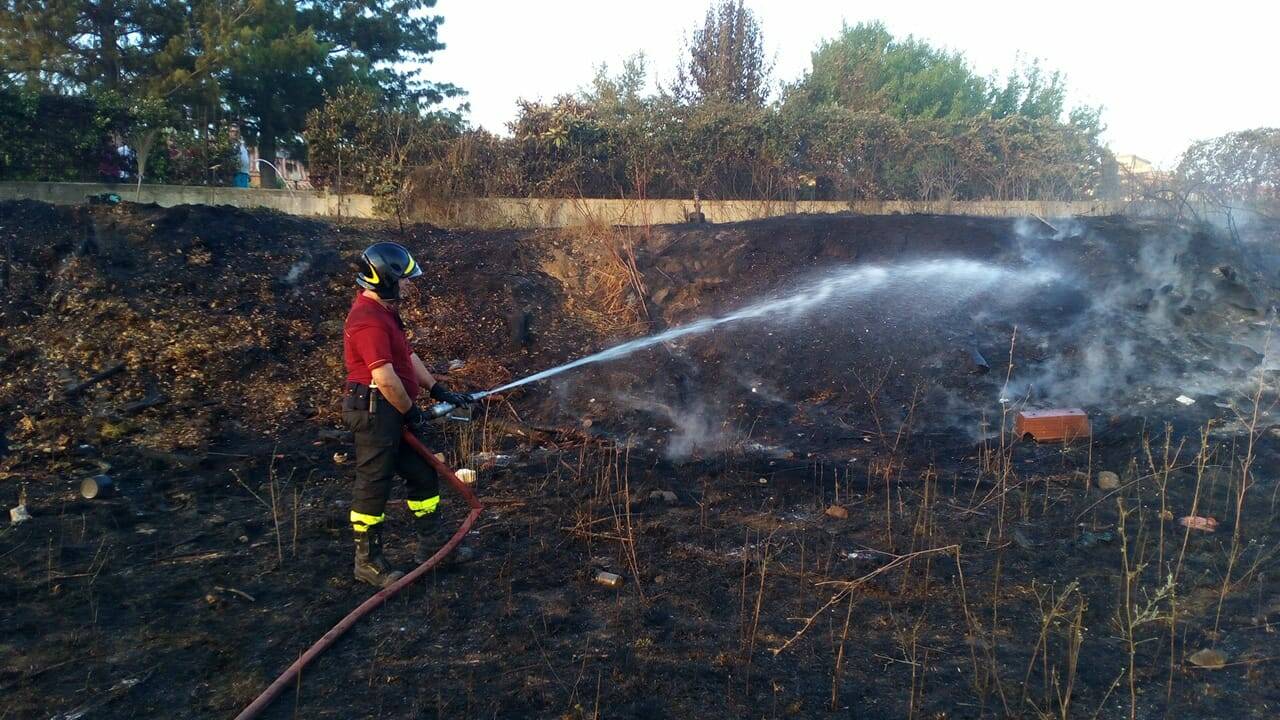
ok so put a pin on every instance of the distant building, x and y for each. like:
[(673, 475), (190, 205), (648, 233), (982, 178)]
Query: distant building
[(1134, 165), (292, 172)]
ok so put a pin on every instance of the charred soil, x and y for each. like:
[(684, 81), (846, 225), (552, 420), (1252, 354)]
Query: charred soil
[(817, 511)]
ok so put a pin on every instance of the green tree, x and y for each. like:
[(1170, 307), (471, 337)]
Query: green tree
[(73, 46), (726, 60), (1241, 166), (280, 67), (865, 69)]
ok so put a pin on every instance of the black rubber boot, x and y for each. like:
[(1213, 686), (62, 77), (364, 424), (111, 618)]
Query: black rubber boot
[(430, 540), (370, 567)]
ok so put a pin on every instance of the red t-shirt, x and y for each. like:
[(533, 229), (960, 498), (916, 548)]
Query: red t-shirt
[(372, 337)]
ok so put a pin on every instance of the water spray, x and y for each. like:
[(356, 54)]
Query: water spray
[(960, 277)]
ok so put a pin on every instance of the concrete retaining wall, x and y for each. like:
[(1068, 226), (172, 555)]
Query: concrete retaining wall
[(491, 213), (293, 202), (546, 212)]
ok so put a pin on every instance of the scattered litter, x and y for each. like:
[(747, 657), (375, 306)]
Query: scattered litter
[(838, 512), (1089, 538), (1208, 659), (608, 579), (98, 486), (1196, 522), (19, 513), (233, 591), (977, 364), (1108, 480), (466, 475), (490, 459), (763, 481), (1058, 424), (456, 364), (340, 458), (1185, 400)]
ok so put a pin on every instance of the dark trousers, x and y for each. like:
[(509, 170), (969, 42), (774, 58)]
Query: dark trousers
[(380, 454)]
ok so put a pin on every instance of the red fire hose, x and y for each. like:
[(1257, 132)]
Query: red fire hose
[(288, 676)]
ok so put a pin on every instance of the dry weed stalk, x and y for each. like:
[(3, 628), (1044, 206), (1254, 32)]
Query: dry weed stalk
[(846, 587), (1161, 472), (609, 279), (1253, 431), (1131, 615), (749, 646), (1201, 463), (1055, 607)]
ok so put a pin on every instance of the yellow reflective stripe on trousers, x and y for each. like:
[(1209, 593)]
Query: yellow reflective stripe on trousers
[(361, 522), (423, 507)]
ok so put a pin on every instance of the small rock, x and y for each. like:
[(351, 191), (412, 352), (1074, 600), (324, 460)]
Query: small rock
[(763, 481), (19, 514), (1208, 659), (1108, 480), (665, 496), (838, 512), (1197, 522)]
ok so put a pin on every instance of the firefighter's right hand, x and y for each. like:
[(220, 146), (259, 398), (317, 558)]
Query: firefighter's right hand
[(416, 420)]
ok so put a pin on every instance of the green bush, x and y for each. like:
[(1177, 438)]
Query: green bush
[(57, 137)]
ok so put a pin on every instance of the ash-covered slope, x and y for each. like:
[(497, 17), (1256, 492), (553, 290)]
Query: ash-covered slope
[(227, 325), (860, 319)]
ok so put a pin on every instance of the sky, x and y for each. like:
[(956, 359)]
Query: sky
[(1166, 73)]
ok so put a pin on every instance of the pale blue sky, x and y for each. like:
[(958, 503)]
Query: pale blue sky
[(1167, 73)]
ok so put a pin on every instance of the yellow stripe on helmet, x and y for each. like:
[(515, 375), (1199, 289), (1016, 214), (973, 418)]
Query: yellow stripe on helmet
[(409, 268)]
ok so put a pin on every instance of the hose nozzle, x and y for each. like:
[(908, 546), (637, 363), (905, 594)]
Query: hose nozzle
[(441, 409)]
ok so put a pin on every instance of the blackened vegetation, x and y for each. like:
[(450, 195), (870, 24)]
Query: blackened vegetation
[(973, 576)]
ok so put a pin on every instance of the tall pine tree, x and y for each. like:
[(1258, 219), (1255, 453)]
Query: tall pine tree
[(280, 66), (267, 62)]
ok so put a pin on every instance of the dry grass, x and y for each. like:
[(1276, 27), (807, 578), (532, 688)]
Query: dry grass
[(608, 289)]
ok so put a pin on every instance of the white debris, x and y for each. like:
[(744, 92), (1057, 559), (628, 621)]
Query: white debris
[(1185, 400), (19, 514)]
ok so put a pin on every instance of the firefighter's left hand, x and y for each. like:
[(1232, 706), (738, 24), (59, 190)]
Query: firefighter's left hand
[(444, 394)]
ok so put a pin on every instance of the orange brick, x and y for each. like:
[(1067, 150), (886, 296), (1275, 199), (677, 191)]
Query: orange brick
[(1054, 425)]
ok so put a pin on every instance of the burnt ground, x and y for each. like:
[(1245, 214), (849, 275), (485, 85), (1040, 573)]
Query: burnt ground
[(975, 575)]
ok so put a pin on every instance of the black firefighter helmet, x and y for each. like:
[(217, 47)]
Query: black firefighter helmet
[(383, 265)]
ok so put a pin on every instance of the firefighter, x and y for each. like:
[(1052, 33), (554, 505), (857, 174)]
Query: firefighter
[(384, 377)]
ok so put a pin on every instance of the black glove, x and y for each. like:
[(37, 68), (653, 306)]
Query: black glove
[(444, 394), (417, 421)]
